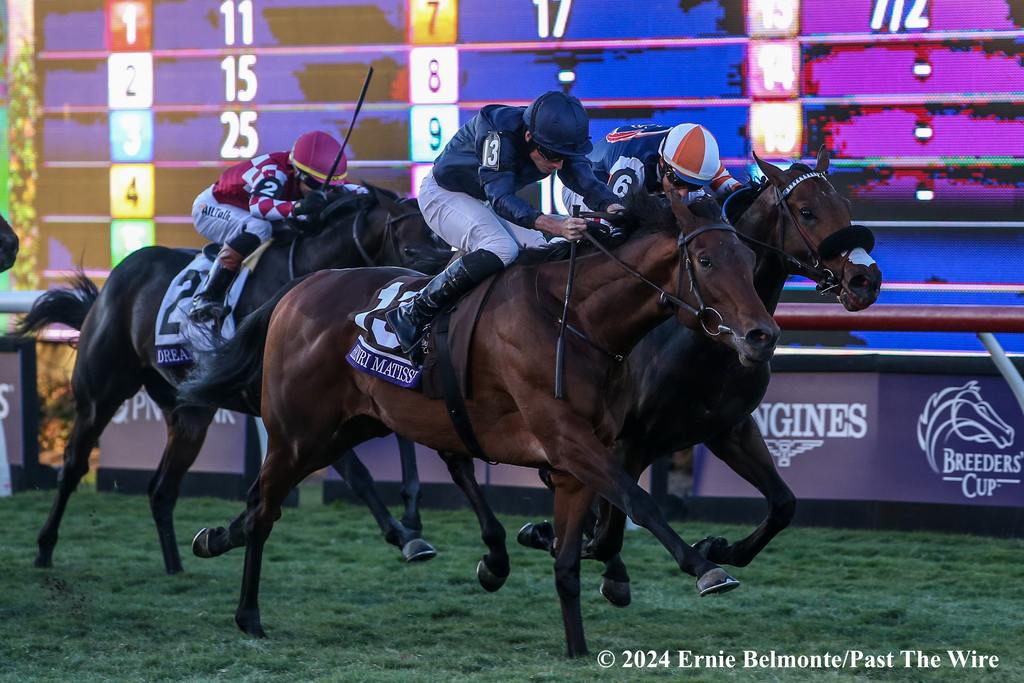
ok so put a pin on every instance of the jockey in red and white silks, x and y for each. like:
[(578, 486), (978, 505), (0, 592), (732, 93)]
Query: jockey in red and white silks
[(239, 210)]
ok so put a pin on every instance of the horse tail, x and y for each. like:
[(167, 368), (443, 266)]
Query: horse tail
[(234, 368), (67, 306)]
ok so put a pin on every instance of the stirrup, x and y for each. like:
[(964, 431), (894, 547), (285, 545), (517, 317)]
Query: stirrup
[(208, 311)]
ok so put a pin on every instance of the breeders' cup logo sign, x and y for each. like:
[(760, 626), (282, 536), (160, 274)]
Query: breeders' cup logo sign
[(952, 419), (791, 429)]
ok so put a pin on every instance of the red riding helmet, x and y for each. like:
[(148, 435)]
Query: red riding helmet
[(313, 155)]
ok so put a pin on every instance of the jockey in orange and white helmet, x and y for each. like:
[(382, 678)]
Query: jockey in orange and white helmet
[(239, 210), (637, 157)]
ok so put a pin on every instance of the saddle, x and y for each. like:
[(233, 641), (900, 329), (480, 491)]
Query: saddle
[(445, 372), (175, 335)]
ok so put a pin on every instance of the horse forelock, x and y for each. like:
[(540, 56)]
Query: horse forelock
[(647, 213)]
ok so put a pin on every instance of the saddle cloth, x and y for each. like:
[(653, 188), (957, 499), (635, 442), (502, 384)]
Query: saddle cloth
[(177, 337), (377, 352)]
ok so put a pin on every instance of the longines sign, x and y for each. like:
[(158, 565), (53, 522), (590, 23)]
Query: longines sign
[(887, 437)]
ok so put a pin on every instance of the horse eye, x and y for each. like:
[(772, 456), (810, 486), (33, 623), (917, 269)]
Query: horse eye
[(704, 262), (806, 213)]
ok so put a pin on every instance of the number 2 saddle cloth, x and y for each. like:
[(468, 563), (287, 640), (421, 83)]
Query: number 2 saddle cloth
[(177, 337)]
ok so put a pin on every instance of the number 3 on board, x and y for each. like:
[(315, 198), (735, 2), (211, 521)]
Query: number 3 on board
[(432, 22)]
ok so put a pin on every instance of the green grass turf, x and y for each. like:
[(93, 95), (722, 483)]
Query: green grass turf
[(338, 604)]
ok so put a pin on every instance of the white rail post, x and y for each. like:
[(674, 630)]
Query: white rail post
[(1005, 365)]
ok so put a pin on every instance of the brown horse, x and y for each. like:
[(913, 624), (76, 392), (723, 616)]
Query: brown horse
[(314, 404), (116, 350), (679, 389)]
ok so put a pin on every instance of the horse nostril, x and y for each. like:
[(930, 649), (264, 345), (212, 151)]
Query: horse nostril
[(760, 338), (860, 283)]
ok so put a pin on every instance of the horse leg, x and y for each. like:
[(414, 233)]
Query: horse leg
[(572, 503), (358, 478), (589, 462), (605, 546), (186, 431), (95, 405), (410, 485), (493, 569), (213, 542), (744, 450)]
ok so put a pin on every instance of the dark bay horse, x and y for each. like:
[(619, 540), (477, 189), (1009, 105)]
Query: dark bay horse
[(315, 404), (116, 350), (679, 389), (8, 245)]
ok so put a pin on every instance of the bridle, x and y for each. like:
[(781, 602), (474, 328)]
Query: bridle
[(841, 242), (702, 312), (389, 237)]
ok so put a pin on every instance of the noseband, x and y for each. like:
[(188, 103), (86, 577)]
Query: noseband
[(843, 240), (702, 312)]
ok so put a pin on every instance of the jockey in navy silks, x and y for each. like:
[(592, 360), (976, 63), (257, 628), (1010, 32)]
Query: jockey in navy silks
[(469, 198)]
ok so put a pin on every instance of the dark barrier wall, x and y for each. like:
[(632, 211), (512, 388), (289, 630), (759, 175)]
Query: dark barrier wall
[(133, 443), (914, 443), (19, 412)]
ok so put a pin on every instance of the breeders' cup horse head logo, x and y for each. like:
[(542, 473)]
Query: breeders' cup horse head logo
[(960, 411)]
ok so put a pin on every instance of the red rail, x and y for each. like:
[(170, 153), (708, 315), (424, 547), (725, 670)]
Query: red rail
[(902, 318)]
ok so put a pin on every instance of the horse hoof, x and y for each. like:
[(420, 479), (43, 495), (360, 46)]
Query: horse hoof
[(539, 536), (201, 544), (716, 581), (616, 592), (418, 550), (712, 548), (177, 569), (488, 579), (250, 626)]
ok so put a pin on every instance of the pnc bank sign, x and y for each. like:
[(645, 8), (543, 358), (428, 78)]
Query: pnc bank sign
[(791, 429), (967, 442)]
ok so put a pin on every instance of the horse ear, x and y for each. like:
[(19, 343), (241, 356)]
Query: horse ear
[(686, 220), (771, 171), (822, 165), (385, 200)]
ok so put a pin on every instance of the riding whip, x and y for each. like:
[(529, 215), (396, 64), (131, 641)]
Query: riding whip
[(351, 124), (560, 345)]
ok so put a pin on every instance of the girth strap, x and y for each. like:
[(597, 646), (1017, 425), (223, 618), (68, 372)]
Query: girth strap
[(450, 386)]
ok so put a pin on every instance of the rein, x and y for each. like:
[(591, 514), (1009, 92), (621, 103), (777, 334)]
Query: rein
[(701, 312), (667, 298), (825, 279), (389, 234)]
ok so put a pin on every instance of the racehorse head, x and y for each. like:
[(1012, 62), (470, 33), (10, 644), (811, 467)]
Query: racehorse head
[(812, 223), (715, 275), (406, 238), (8, 245), (963, 412)]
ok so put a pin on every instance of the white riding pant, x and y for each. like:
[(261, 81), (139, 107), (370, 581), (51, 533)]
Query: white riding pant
[(570, 199), (469, 224), (219, 222)]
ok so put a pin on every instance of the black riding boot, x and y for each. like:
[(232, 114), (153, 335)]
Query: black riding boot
[(208, 302), (410, 319)]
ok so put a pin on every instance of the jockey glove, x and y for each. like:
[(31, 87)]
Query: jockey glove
[(311, 205)]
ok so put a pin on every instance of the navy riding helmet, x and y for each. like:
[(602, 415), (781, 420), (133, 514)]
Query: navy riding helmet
[(559, 124)]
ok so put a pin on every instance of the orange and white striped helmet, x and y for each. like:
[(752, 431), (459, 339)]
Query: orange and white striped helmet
[(691, 151)]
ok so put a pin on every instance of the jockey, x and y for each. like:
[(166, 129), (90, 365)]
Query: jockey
[(635, 157), (238, 210), (469, 198)]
